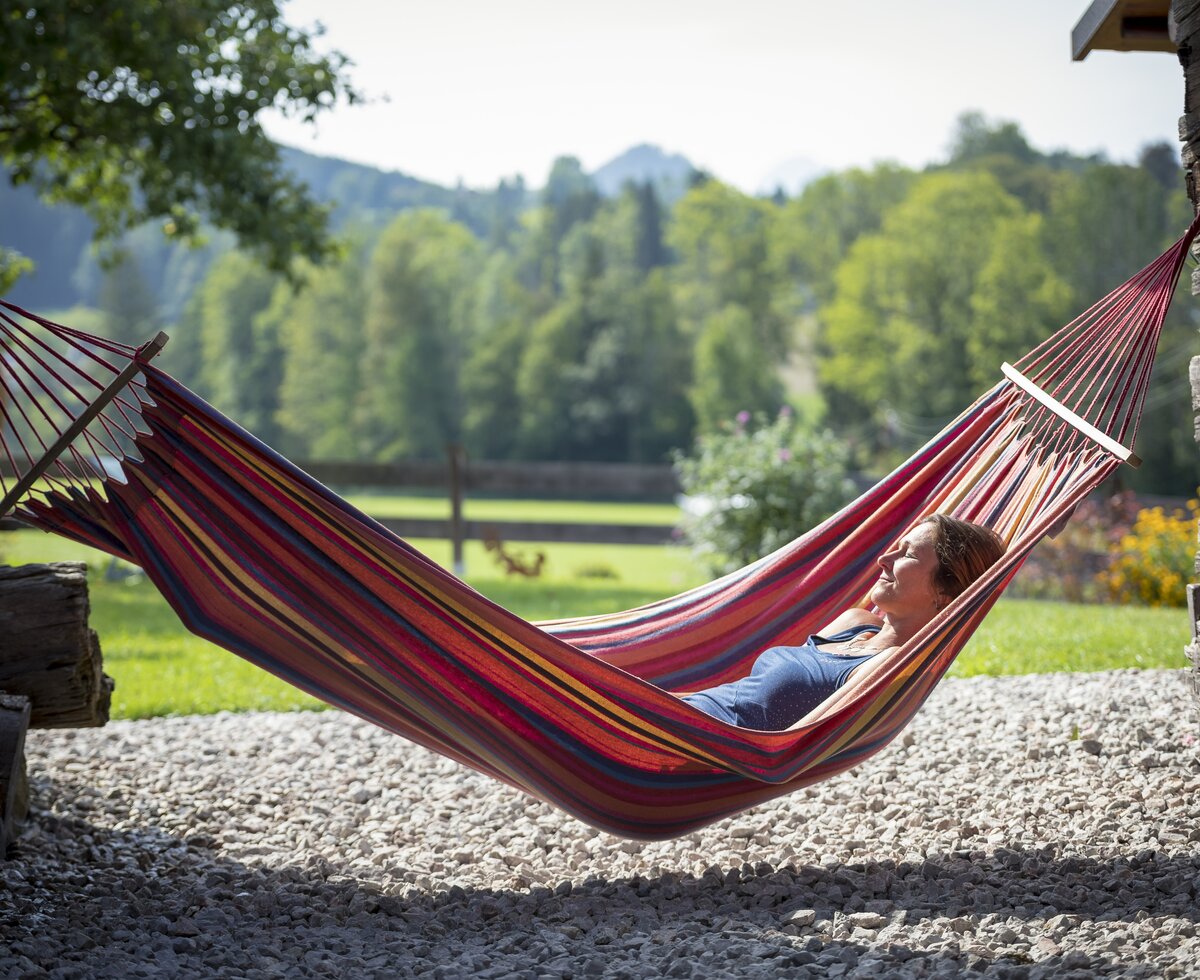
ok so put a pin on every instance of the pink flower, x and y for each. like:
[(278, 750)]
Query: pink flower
[(785, 455), (743, 417)]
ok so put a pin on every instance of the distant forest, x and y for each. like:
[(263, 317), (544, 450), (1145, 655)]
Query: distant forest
[(613, 316)]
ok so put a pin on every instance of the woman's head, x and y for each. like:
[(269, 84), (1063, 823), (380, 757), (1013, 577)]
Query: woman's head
[(931, 565), (964, 552)]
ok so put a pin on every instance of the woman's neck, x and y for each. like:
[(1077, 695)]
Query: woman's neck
[(897, 631)]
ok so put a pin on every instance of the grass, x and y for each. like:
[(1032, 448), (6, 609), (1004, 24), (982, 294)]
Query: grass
[(160, 669), (1031, 636), (485, 509)]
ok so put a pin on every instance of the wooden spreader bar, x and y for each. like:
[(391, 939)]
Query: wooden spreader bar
[(1075, 421), (145, 353)]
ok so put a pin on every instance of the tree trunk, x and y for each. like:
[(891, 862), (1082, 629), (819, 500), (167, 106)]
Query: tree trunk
[(47, 652), (14, 788)]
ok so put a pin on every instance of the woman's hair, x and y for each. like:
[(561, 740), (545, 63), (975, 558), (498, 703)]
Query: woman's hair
[(964, 552)]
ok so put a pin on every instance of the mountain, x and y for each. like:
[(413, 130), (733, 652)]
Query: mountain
[(670, 173), (67, 268), (68, 271)]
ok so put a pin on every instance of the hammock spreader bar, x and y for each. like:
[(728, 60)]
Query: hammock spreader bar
[(1058, 408), (146, 353)]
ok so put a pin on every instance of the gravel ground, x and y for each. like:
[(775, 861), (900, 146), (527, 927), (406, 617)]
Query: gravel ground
[(1043, 826)]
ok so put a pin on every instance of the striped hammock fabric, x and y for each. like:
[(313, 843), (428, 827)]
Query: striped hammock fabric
[(259, 558)]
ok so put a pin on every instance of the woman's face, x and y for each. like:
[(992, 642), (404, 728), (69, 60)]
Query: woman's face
[(905, 587)]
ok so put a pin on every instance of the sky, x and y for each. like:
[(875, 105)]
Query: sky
[(753, 90)]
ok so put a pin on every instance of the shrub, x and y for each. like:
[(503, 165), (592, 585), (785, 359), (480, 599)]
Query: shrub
[(1069, 566), (1154, 562), (757, 484)]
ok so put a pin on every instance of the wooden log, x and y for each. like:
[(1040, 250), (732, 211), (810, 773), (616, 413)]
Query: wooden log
[(47, 652), (14, 785)]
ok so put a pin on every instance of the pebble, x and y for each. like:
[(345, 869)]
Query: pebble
[(1022, 827)]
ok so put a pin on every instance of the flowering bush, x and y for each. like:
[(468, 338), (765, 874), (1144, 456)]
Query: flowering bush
[(1154, 562), (1068, 566), (757, 484)]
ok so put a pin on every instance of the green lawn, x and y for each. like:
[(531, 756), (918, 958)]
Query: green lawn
[(485, 509), (161, 669)]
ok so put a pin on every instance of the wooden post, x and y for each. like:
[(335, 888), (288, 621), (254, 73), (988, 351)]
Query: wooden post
[(1193, 591), (458, 468), (14, 786), (1183, 25), (47, 652)]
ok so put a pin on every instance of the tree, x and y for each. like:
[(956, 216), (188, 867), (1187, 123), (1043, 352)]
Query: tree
[(655, 375), (976, 138), (651, 248), (729, 292), (1107, 222), (1162, 161), (1018, 300), (13, 265), (503, 313), (506, 205), (140, 110), (130, 312), (240, 370), (1001, 149), (1102, 226), (418, 308), (558, 414), (321, 336), (570, 198), (603, 373), (733, 373), (898, 332), (816, 229), (184, 355), (722, 240)]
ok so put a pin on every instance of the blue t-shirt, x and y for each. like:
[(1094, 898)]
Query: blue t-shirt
[(785, 684)]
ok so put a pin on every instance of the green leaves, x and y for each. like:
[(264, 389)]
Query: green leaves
[(758, 484), (900, 330), (140, 110), (415, 336)]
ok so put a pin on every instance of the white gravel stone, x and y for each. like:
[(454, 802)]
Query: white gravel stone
[(1021, 827)]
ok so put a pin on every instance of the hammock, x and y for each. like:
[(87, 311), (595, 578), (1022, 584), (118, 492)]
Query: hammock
[(258, 557)]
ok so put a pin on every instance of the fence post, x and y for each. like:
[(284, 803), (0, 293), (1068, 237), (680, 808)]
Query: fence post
[(458, 465)]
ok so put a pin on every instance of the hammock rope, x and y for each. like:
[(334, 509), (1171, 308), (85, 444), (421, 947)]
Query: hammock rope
[(258, 557)]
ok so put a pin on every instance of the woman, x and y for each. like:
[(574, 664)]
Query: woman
[(927, 568)]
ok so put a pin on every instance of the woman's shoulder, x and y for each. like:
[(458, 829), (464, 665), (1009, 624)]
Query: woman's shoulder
[(852, 619)]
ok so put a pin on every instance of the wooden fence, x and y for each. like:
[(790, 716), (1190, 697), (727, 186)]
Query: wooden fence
[(459, 477)]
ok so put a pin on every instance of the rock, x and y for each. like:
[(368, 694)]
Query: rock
[(271, 845)]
